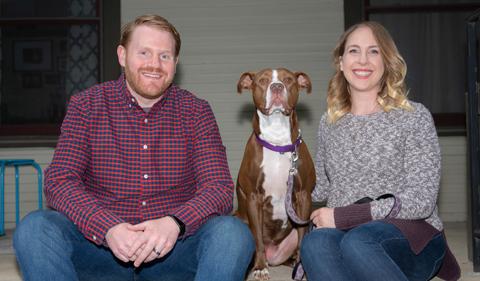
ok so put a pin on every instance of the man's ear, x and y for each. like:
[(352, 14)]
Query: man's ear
[(121, 54)]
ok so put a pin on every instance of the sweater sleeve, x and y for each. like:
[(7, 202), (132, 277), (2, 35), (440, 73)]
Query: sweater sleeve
[(322, 186), (352, 215), (422, 164)]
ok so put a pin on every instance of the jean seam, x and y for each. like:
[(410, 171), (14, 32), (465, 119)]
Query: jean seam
[(435, 269), (391, 239)]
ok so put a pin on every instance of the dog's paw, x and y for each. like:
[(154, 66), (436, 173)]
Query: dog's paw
[(261, 274)]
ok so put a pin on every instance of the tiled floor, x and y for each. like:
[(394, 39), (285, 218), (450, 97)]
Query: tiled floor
[(456, 234)]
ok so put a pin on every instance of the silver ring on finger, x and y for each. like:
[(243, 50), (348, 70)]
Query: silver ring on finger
[(156, 252)]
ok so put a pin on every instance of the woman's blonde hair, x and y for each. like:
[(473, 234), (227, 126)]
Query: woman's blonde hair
[(393, 93)]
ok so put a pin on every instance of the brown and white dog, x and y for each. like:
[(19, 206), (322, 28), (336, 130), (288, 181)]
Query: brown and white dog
[(274, 154)]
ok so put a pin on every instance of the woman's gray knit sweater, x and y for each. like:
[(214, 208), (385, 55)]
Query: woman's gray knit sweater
[(393, 152)]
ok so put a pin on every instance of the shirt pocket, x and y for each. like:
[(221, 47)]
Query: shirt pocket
[(172, 162)]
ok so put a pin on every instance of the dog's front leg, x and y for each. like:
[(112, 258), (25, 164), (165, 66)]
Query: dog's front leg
[(303, 207), (255, 217)]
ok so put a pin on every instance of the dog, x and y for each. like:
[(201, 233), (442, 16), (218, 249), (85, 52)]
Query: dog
[(275, 155)]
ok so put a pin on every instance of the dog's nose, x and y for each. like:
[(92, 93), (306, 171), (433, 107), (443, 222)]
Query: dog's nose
[(276, 88)]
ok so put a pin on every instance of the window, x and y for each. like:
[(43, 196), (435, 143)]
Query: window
[(431, 36), (50, 49)]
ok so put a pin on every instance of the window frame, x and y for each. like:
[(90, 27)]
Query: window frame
[(448, 124), (108, 20)]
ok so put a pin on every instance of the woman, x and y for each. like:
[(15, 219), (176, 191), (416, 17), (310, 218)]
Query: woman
[(378, 170)]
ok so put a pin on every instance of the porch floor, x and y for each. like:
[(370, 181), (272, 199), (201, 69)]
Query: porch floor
[(456, 235)]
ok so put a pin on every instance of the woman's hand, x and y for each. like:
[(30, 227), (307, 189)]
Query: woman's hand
[(323, 217)]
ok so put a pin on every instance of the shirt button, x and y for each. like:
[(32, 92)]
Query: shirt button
[(133, 100), (145, 176), (130, 105), (145, 146), (144, 203), (94, 237), (146, 120)]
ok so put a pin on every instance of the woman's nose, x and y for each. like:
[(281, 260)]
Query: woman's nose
[(363, 59)]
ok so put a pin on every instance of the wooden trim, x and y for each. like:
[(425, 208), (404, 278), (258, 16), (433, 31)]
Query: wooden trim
[(30, 129), (450, 124), (461, 7), (28, 141), (111, 22), (53, 21), (450, 119)]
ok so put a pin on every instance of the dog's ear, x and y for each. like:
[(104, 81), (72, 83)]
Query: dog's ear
[(304, 81), (245, 81)]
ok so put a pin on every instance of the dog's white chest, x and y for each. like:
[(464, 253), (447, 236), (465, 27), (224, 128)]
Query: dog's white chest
[(275, 129), (276, 167)]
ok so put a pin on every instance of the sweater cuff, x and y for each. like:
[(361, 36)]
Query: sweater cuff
[(352, 215)]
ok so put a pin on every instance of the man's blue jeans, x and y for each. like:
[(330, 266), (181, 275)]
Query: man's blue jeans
[(49, 247), (369, 252)]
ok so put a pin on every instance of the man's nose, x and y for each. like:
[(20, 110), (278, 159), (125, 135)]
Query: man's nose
[(156, 60)]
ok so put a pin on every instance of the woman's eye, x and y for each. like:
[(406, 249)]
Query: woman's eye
[(374, 51), (353, 51)]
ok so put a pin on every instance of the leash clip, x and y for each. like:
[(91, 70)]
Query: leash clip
[(294, 159)]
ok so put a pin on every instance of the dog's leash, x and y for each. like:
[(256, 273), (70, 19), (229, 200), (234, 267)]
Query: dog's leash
[(298, 272), (288, 198)]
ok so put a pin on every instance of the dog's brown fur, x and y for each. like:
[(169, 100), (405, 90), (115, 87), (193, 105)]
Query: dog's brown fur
[(274, 244)]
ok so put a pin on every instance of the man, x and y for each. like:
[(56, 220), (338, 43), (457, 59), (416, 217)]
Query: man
[(139, 180)]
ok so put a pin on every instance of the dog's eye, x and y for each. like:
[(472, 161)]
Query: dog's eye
[(287, 80), (262, 81)]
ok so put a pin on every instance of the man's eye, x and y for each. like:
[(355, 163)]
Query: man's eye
[(166, 57)]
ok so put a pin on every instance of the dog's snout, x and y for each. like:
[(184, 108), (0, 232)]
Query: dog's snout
[(276, 87)]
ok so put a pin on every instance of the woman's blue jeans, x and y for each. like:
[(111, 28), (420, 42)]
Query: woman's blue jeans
[(369, 252), (49, 247)]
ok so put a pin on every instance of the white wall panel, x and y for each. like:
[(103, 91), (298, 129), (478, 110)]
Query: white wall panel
[(452, 200), (223, 39)]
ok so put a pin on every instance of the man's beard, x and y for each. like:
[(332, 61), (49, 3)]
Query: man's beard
[(145, 89)]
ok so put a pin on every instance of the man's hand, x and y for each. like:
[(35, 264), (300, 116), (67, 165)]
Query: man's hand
[(157, 239), (323, 217), (120, 239)]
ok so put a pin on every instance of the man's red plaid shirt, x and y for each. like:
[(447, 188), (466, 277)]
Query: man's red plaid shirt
[(116, 163)]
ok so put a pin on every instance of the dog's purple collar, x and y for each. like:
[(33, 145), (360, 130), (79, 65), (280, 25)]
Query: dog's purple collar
[(280, 148)]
